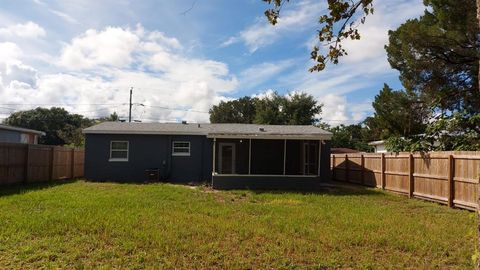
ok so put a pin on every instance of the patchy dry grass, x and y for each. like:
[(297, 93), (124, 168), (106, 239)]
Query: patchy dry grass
[(81, 225)]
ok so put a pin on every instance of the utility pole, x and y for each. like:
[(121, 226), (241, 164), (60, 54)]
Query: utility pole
[(130, 106)]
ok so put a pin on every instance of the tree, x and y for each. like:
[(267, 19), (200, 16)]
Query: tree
[(270, 110), (60, 126), (437, 56), (292, 109), (397, 113), (335, 27), (113, 117), (240, 110), (301, 109), (351, 136)]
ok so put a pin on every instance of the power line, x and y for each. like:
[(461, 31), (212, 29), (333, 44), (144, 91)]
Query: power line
[(175, 109)]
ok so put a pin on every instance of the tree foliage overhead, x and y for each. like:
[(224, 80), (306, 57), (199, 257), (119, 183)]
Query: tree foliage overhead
[(351, 136), (437, 55), (335, 26), (60, 126), (240, 110), (397, 113), (293, 109)]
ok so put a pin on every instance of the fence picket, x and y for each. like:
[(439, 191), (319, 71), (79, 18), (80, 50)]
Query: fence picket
[(30, 163), (445, 177)]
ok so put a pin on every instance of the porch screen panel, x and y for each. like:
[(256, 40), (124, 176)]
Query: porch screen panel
[(267, 157), (294, 163), (241, 154), (310, 157)]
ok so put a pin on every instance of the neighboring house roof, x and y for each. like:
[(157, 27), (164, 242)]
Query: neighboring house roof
[(376, 143), (212, 130), (24, 130), (343, 150)]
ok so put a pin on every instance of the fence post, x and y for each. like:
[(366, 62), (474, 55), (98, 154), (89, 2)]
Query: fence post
[(73, 163), (27, 164), (52, 163), (333, 167), (382, 178), (362, 172), (346, 168), (411, 184), (451, 184)]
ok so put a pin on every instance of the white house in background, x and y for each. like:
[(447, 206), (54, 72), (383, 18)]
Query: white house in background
[(379, 146), (19, 135)]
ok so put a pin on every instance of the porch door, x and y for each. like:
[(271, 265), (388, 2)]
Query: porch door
[(226, 158), (310, 158)]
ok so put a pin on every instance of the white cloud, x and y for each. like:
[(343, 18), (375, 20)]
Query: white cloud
[(229, 41), (26, 30), (106, 63), (17, 72), (374, 33), (267, 94), (364, 67), (263, 72), (9, 51), (298, 17), (334, 110), (58, 13), (63, 15), (110, 47)]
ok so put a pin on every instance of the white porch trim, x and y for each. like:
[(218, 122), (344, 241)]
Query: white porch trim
[(269, 175), (271, 136)]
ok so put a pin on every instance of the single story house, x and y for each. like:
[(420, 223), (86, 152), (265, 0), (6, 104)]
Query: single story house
[(226, 155), (13, 134), (379, 146)]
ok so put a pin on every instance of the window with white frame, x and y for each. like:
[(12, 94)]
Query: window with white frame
[(118, 151), (181, 148)]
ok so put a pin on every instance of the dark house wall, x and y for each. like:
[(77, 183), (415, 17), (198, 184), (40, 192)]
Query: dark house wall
[(155, 151), (145, 152), (10, 136)]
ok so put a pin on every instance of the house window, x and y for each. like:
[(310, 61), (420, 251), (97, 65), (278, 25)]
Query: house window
[(118, 151), (24, 138), (181, 149)]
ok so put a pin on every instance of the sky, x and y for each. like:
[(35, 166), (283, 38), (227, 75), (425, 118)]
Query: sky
[(182, 57)]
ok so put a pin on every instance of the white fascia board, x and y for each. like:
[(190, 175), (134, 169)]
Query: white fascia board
[(271, 136)]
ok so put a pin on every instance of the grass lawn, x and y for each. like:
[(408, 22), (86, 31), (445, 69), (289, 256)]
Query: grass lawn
[(82, 225)]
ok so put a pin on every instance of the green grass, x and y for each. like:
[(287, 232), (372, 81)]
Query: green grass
[(82, 225)]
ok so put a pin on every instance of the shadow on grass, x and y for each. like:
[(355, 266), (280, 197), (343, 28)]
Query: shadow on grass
[(20, 188), (330, 188)]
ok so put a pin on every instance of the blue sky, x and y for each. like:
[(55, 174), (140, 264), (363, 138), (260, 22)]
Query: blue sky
[(85, 55)]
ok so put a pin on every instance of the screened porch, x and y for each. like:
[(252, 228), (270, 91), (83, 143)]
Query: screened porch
[(266, 157)]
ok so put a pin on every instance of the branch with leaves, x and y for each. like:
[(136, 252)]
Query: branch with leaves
[(342, 13)]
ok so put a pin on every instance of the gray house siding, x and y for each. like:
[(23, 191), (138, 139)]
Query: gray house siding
[(155, 151), (10, 136), (146, 152)]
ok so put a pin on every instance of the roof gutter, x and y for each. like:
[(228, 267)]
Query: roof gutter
[(272, 136), (140, 132), (25, 130), (217, 135)]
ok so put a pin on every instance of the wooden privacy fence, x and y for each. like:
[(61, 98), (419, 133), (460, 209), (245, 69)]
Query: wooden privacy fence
[(27, 163), (446, 177)]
